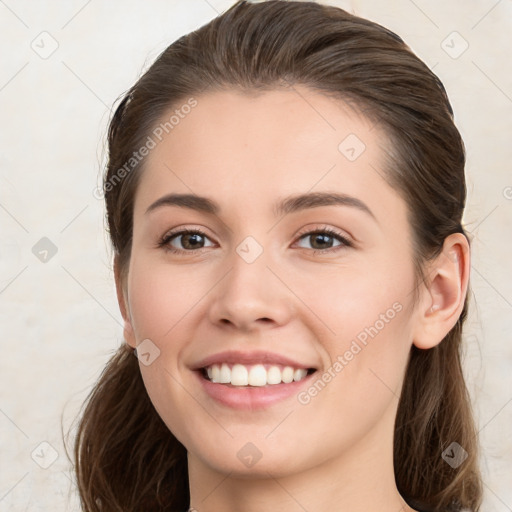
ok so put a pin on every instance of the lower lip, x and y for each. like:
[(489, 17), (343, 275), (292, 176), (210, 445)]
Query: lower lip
[(251, 397)]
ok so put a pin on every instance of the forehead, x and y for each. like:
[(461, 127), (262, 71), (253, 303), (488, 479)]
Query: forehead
[(249, 149)]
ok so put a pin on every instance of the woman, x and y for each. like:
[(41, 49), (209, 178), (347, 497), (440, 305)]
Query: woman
[(284, 194)]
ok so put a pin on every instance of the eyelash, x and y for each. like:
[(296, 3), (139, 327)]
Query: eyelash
[(345, 242)]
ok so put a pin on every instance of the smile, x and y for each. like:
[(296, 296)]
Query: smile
[(258, 375)]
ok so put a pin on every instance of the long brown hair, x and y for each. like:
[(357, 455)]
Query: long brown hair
[(126, 458)]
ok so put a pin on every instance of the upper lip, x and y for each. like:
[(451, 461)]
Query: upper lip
[(253, 357)]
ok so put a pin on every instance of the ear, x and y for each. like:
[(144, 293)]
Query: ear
[(129, 335), (444, 292)]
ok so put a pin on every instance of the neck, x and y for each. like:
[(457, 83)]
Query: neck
[(361, 479)]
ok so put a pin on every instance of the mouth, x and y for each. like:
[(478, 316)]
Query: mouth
[(240, 375), (252, 380)]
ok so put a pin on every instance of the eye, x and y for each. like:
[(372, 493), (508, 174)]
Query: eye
[(324, 238), (189, 239), (192, 240)]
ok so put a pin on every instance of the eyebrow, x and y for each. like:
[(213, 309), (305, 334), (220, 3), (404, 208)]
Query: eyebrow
[(287, 205)]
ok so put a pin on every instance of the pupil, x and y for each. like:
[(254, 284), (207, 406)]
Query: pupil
[(194, 243), (322, 238)]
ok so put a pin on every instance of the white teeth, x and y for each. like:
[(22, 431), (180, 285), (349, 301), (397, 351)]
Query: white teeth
[(225, 374), (273, 375), (255, 375), (239, 375), (258, 375), (287, 374), (299, 374)]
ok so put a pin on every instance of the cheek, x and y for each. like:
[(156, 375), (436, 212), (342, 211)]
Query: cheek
[(367, 313), (161, 297), (161, 301), (350, 299), (367, 359)]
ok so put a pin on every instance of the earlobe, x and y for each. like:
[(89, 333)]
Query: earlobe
[(129, 335), (444, 293)]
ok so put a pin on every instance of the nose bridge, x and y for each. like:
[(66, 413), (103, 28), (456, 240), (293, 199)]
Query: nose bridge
[(249, 291)]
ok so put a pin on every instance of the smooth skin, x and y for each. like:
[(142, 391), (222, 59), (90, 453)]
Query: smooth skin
[(302, 297)]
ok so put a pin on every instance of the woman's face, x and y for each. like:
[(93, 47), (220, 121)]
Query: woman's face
[(303, 261)]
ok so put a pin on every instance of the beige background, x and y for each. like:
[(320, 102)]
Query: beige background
[(59, 319)]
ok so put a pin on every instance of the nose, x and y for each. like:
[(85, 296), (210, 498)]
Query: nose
[(250, 296)]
